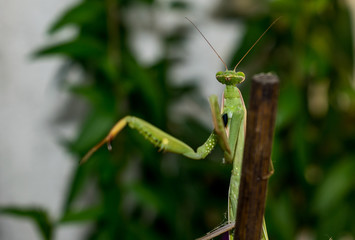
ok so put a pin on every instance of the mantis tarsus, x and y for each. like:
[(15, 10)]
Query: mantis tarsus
[(229, 123)]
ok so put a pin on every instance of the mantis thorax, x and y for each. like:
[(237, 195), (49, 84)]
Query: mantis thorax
[(230, 77)]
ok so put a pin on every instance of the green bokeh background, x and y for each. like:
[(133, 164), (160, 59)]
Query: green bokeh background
[(145, 194)]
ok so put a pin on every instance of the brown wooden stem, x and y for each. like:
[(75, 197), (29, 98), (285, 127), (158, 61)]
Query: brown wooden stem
[(256, 158)]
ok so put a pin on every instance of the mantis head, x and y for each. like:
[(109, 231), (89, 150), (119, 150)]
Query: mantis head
[(230, 77)]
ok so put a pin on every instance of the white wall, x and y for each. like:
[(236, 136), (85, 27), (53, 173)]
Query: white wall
[(34, 168)]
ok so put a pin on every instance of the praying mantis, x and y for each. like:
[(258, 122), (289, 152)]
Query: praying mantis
[(229, 122)]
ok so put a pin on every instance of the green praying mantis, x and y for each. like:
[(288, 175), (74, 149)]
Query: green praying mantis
[(229, 123)]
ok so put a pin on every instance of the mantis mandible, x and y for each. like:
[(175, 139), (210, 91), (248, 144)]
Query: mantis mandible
[(229, 123)]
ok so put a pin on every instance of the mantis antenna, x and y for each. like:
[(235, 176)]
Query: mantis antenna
[(225, 65), (277, 19)]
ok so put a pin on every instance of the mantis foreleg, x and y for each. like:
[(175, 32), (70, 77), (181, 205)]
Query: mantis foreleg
[(160, 139), (219, 128)]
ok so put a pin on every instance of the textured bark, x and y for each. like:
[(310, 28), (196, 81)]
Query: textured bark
[(256, 159)]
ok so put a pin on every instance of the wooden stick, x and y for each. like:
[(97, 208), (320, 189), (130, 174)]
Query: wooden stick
[(256, 158)]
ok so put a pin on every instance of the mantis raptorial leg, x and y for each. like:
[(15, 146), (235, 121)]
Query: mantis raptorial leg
[(229, 123)]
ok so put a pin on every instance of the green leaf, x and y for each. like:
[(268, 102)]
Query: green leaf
[(146, 232), (338, 183), (85, 12), (289, 105), (77, 185), (148, 86), (39, 217), (282, 217), (154, 198), (89, 214), (81, 48), (94, 129)]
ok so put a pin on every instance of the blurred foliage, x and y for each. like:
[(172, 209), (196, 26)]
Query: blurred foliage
[(39, 216), (312, 192), (139, 194), (143, 194)]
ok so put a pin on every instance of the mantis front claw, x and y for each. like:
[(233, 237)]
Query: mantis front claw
[(108, 139)]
